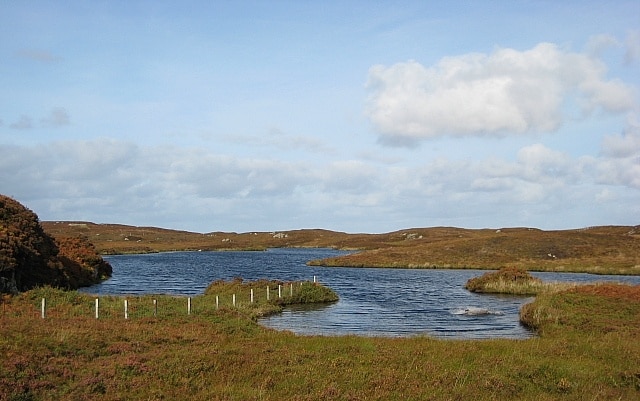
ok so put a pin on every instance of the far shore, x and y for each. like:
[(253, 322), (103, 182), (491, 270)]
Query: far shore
[(604, 250)]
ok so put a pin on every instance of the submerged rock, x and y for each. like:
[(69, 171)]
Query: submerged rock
[(475, 311)]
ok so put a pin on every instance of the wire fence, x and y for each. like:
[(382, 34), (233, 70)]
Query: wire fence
[(54, 303)]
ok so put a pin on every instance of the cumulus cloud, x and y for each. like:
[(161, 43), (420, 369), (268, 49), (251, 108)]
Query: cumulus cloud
[(620, 161), (540, 163), (114, 181), (225, 177), (622, 145), (507, 92)]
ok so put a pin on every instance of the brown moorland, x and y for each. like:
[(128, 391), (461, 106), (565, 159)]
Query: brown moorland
[(599, 250), (587, 349)]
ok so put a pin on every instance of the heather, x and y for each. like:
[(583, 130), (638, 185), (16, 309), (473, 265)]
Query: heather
[(587, 348), (31, 257)]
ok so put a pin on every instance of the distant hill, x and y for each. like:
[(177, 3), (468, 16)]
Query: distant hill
[(30, 257), (601, 250), (598, 250)]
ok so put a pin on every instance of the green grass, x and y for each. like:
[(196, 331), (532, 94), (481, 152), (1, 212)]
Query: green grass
[(587, 349), (269, 296)]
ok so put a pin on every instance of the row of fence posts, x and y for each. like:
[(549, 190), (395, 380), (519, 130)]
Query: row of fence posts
[(155, 302)]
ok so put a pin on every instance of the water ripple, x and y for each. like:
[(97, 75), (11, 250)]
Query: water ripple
[(373, 302)]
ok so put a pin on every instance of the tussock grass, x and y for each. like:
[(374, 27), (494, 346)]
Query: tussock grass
[(513, 281), (507, 287), (587, 349)]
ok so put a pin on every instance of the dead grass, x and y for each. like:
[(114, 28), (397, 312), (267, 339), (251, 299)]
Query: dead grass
[(609, 290)]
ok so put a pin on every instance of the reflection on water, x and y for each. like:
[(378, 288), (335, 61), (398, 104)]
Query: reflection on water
[(373, 302)]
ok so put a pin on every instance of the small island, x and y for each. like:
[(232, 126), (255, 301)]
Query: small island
[(513, 281)]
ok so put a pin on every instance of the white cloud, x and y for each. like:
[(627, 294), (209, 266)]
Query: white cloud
[(541, 164), (622, 145), (620, 161), (624, 172), (505, 93), (120, 182)]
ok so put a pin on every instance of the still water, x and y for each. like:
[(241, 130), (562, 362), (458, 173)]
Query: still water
[(373, 302)]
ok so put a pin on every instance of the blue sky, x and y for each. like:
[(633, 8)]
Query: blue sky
[(355, 116)]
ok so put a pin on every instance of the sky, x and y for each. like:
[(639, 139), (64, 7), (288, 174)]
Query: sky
[(354, 116)]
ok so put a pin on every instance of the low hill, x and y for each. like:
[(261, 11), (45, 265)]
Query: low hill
[(602, 250), (599, 250), (29, 257)]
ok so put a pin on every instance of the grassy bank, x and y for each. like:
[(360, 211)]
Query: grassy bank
[(264, 297), (588, 349)]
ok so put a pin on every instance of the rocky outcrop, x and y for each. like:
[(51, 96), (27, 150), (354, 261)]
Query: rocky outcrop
[(29, 257)]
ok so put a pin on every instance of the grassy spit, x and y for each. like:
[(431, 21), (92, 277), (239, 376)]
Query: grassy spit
[(587, 349), (269, 296)]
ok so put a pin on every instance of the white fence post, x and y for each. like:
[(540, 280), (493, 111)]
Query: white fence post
[(126, 309), (234, 300), (252, 295), (44, 305), (314, 279), (155, 307), (291, 289), (97, 307), (189, 306), (279, 291), (217, 302), (267, 293)]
